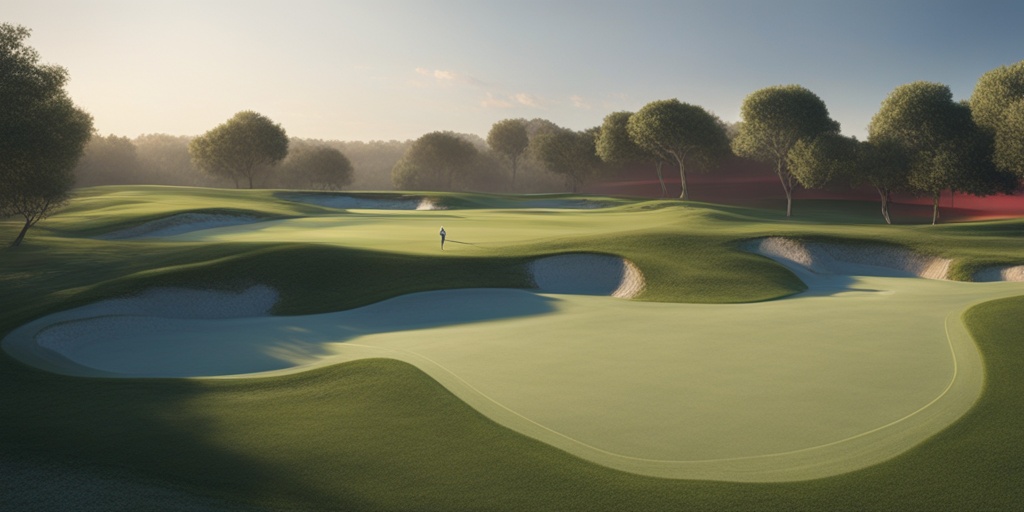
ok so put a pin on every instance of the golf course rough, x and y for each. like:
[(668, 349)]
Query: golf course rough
[(861, 367)]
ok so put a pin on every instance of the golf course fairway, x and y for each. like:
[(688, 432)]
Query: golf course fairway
[(324, 352), (849, 373)]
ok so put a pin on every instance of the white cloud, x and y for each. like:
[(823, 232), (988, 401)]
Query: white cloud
[(448, 77), (491, 101), (579, 102), (527, 100)]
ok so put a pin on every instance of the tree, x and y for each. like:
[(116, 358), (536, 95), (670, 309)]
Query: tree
[(435, 161), (509, 139), (42, 132), (568, 153), (884, 166), (941, 146), (1009, 147), (240, 148), (688, 134), (109, 160), (318, 167), (614, 145), (166, 160), (825, 159), (774, 119), (997, 106)]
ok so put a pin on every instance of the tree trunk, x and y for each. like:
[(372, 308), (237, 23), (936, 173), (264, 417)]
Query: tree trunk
[(935, 208), (661, 179), (885, 205), (787, 187), (514, 162), (685, 194), (21, 236), (250, 182)]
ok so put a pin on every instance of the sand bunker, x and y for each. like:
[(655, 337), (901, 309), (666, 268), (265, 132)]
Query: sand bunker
[(851, 260), (80, 335), (347, 202), (180, 223), (1004, 273), (587, 274)]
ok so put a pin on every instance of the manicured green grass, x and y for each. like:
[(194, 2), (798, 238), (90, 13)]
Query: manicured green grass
[(381, 435)]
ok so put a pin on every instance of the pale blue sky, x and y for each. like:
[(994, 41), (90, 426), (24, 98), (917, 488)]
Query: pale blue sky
[(364, 70)]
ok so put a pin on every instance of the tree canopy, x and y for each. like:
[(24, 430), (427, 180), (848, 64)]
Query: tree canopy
[(823, 160), (1009, 146), (317, 167), (509, 139), (997, 105), (42, 132), (436, 161), (568, 153), (940, 143), (687, 134), (882, 165), (774, 119), (615, 146), (241, 148), (108, 160)]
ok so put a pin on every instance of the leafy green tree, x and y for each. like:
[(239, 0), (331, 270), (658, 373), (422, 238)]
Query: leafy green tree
[(774, 119), (241, 148), (1009, 148), (688, 134), (436, 161), (997, 105), (42, 132), (883, 166), (317, 167), (823, 160), (509, 139), (614, 145), (568, 153), (940, 143)]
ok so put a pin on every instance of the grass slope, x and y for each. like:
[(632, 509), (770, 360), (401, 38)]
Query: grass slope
[(381, 435)]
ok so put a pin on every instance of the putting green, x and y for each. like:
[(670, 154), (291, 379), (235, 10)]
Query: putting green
[(473, 232), (851, 373)]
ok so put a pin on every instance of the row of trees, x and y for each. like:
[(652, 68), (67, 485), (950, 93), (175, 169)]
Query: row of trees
[(923, 141), (162, 159), (920, 140)]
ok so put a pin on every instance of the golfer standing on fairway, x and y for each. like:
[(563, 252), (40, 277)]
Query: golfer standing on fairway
[(442, 237)]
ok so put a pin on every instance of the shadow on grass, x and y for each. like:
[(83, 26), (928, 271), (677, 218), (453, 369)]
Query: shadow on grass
[(157, 429)]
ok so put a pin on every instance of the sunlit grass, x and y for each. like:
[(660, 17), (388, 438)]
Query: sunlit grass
[(382, 435)]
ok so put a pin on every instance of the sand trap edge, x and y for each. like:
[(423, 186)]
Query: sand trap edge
[(587, 274), (874, 259)]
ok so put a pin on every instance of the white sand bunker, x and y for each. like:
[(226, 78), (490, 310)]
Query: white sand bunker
[(1004, 273), (347, 202), (180, 223), (851, 260), (587, 274), (83, 334)]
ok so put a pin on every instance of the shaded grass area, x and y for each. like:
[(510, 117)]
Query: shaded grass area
[(381, 435)]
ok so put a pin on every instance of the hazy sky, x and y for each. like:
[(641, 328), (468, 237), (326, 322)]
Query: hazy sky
[(373, 69)]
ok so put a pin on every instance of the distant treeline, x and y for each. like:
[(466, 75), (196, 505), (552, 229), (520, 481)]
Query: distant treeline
[(162, 159)]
